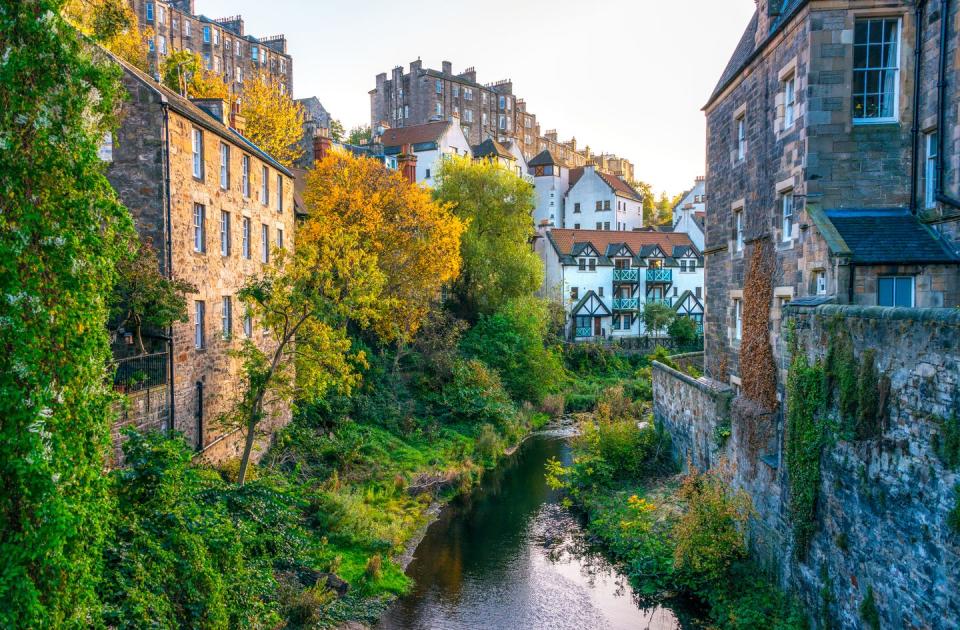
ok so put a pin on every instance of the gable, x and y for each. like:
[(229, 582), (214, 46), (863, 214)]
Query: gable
[(590, 304)]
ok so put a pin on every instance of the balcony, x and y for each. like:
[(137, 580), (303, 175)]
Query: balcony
[(660, 275), (626, 304), (665, 301), (626, 275)]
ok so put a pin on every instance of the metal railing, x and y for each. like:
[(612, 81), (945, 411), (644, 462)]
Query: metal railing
[(584, 332), (626, 275), (665, 301), (659, 275), (626, 304), (141, 372)]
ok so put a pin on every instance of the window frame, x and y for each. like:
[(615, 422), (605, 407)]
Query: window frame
[(224, 166), (787, 220), (789, 101), (245, 238), (265, 185), (737, 319), (894, 116), (245, 176), (226, 317), (930, 171), (196, 145), (895, 279), (225, 244), (199, 324), (265, 243), (741, 128), (738, 230), (199, 228)]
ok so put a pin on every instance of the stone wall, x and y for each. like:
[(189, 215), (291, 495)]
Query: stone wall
[(144, 410), (883, 503)]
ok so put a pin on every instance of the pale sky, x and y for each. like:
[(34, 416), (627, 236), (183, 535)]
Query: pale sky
[(624, 76)]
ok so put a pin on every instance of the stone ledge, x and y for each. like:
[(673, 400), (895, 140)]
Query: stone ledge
[(710, 387), (950, 316)]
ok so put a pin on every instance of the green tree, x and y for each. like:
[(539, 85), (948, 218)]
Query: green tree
[(183, 72), (498, 262), (337, 130), (683, 331), (359, 135), (61, 235), (657, 316)]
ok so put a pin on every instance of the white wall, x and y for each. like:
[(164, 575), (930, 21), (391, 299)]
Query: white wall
[(624, 213), (453, 142)]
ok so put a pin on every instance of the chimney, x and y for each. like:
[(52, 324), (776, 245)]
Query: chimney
[(415, 66), (447, 67), (239, 123), (407, 163), (322, 144), (216, 107)]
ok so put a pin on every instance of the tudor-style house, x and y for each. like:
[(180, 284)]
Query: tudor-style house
[(600, 201), (216, 208), (816, 146), (430, 143), (603, 278)]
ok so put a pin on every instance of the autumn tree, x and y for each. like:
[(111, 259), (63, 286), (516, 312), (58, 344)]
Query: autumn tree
[(114, 25), (498, 261), (182, 71), (61, 234), (274, 120), (145, 297), (415, 240)]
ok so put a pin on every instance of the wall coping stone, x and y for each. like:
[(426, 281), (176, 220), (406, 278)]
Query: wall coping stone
[(949, 316), (712, 388)]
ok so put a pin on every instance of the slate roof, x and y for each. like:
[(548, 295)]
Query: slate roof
[(194, 113), (747, 47), (569, 243), (491, 147), (544, 158), (417, 134), (879, 236), (616, 184)]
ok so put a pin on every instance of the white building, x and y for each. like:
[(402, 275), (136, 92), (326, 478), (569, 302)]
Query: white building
[(689, 215), (507, 155), (550, 180), (603, 278), (430, 142), (601, 201)]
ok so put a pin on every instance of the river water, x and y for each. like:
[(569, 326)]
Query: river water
[(509, 555)]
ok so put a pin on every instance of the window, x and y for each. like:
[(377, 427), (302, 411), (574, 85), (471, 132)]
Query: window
[(606, 204), (582, 264), (254, 53), (265, 185), (245, 240), (599, 225), (502, 102), (574, 293), (207, 60), (216, 38), (930, 170), (224, 233), (683, 266), (175, 23), (738, 221), (163, 44), (245, 175), (600, 291), (161, 15), (895, 291), (236, 48), (606, 225), (149, 11), (226, 317), (206, 34), (265, 242), (786, 204), (456, 91), (280, 238), (468, 115), (468, 94), (698, 292), (876, 70), (197, 141), (279, 192), (199, 228), (576, 226), (599, 205), (224, 166), (247, 325), (502, 122), (238, 74), (217, 66), (737, 320), (593, 264), (428, 174), (186, 28), (199, 317), (741, 137), (820, 282), (789, 101), (438, 109), (439, 86)]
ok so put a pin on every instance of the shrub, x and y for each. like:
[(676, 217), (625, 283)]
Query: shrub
[(661, 355), (477, 394), (553, 405), (374, 570), (683, 331), (657, 316), (488, 443), (947, 441), (953, 517), (593, 358)]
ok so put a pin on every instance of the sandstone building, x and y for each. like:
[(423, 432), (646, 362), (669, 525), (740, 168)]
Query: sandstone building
[(223, 45), (215, 207)]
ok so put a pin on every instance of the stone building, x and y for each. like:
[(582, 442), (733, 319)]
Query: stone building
[(215, 207), (223, 45), (316, 121)]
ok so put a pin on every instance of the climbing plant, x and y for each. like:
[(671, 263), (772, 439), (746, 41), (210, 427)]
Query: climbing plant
[(855, 385), (61, 233)]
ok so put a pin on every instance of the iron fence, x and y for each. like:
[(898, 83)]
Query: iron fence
[(133, 374)]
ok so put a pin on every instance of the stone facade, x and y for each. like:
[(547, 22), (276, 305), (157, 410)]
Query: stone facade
[(152, 169), (823, 160), (222, 43), (316, 122), (883, 503)]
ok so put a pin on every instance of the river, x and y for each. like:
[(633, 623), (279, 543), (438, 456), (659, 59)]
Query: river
[(509, 555)]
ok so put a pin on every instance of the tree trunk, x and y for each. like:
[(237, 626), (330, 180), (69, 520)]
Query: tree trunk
[(248, 443)]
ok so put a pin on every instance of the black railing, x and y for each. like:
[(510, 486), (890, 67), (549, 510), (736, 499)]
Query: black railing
[(141, 372), (648, 344)]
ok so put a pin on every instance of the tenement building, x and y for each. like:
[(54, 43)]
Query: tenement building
[(832, 365), (222, 44), (216, 208)]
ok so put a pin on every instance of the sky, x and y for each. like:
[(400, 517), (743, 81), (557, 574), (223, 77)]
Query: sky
[(623, 76)]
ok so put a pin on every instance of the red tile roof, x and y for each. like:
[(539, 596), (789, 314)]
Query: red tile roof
[(600, 239), (616, 184), (428, 132)]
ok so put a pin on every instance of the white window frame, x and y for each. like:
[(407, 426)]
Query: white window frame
[(741, 122), (820, 282), (265, 243), (197, 145), (787, 214), (224, 166), (789, 101), (247, 325), (865, 70), (737, 319), (265, 185), (245, 176), (199, 228), (224, 233), (931, 147), (226, 316), (245, 238), (199, 319), (738, 223)]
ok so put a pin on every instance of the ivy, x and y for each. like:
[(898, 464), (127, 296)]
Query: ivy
[(947, 441), (61, 233), (953, 517), (869, 612)]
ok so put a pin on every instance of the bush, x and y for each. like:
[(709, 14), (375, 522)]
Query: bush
[(488, 443), (593, 358), (657, 316), (477, 394), (683, 331), (553, 405), (511, 341)]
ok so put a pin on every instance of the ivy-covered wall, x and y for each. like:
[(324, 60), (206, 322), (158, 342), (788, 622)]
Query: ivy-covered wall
[(856, 496)]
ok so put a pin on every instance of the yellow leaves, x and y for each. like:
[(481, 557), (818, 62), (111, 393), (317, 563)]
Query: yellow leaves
[(274, 120), (184, 73), (114, 24)]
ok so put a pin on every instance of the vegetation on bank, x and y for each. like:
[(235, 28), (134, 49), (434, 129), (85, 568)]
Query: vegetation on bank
[(674, 536)]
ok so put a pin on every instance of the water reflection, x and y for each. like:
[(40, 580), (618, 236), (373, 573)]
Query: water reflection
[(510, 556)]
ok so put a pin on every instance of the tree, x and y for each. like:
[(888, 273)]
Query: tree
[(498, 262), (143, 296), (665, 208), (114, 25), (62, 231), (359, 135), (183, 72), (683, 331), (414, 240), (274, 120), (657, 316), (336, 130)]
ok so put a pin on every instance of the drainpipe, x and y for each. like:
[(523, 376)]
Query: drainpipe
[(915, 130), (942, 196), (850, 282), (168, 237)]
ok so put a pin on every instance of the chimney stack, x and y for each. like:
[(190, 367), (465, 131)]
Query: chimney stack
[(239, 123), (447, 67), (407, 163), (322, 144)]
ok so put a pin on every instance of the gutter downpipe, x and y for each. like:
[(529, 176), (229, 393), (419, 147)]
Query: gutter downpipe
[(165, 149), (941, 195), (915, 130)]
